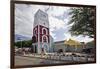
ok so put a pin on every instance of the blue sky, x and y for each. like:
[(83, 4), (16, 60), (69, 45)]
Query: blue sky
[(58, 21)]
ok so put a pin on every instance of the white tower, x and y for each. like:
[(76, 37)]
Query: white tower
[(41, 40)]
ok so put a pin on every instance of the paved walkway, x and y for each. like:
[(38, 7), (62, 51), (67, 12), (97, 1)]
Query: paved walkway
[(59, 58), (20, 61)]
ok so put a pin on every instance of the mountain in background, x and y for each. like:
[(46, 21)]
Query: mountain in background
[(21, 37)]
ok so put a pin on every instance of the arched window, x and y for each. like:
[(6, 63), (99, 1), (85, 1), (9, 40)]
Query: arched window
[(35, 31), (34, 39), (44, 31), (44, 38)]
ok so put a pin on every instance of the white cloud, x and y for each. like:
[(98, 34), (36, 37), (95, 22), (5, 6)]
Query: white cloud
[(57, 10), (53, 35), (78, 38), (41, 7), (67, 36), (24, 19), (56, 23)]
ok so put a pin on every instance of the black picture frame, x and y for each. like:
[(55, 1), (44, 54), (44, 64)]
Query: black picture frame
[(12, 7)]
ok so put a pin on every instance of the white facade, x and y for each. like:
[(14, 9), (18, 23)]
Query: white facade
[(41, 32), (41, 18)]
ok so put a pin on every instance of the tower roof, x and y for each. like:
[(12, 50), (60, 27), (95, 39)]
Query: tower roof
[(40, 12), (41, 18)]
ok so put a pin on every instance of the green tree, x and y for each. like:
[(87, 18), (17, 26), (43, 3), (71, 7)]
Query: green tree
[(82, 20), (27, 43)]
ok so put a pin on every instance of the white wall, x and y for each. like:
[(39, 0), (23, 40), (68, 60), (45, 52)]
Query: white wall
[(5, 35)]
